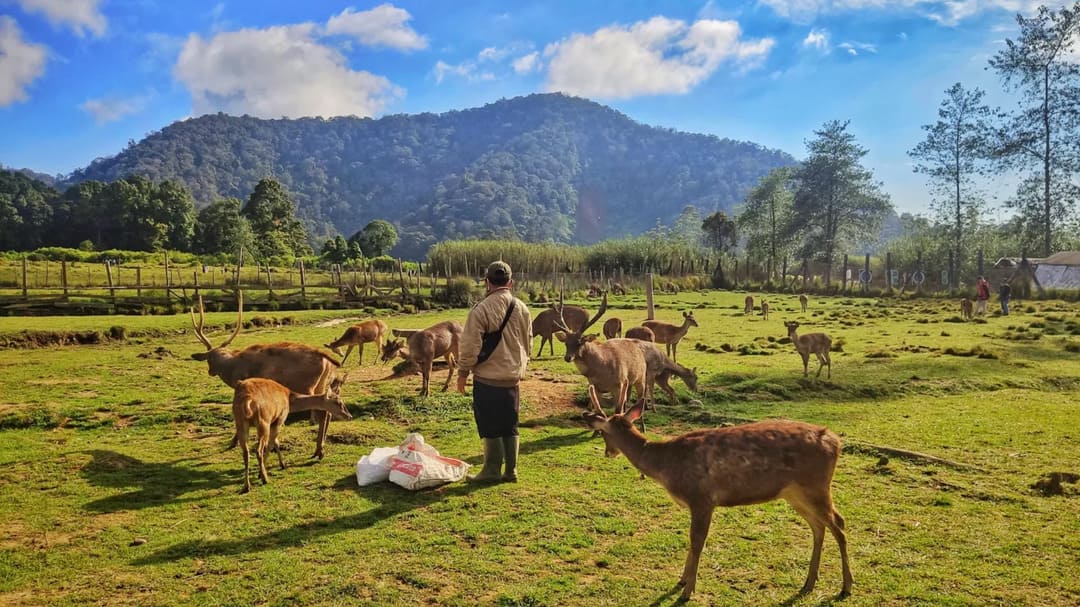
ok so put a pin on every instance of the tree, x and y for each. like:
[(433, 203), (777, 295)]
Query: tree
[(336, 250), (26, 210), (687, 228), (277, 232), (377, 238), (1044, 133), (719, 234), (765, 217), (955, 150), (836, 202), (221, 229)]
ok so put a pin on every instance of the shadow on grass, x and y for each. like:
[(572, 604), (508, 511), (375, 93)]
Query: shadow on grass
[(390, 501), (158, 482)]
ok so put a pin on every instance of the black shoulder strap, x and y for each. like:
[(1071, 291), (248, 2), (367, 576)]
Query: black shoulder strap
[(506, 319)]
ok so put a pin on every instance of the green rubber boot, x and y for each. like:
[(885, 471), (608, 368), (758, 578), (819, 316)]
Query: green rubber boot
[(493, 459), (510, 446)]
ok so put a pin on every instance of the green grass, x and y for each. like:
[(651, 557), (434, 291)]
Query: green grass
[(103, 445)]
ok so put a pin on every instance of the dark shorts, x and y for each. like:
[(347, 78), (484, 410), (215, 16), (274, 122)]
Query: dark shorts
[(495, 410)]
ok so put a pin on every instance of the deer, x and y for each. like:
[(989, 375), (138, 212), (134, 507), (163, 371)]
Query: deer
[(659, 369), (299, 367), (748, 305), (618, 289), (669, 334), (738, 466), (965, 309), (356, 336), (803, 301), (642, 333), (612, 328), (423, 347), (811, 343), (765, 309), (264, 403), (613, 366), (544, 324)]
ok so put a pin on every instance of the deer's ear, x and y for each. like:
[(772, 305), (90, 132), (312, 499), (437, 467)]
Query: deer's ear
[(594, 420), (591, 337), (635, 412), (561, 336)]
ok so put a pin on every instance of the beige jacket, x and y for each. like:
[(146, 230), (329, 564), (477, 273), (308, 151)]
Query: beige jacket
[(506, 365)]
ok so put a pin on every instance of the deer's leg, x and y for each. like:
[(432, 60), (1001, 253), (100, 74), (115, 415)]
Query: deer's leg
[(836, 526), (425, 372), (360, 353), (322, 420), (260, 450), (700, 519), (274, 429), (828, 361), (811, 510), (805, 363), (241, 436), (451, 364), (674, 351), (666, 385), (348, 351)]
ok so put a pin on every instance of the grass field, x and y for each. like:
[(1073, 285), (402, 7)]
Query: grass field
[(115, 486)]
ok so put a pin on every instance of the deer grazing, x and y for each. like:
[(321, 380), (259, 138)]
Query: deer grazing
[(298, 367), (613, 366), (612, 328), (811, 343), (423, 347), (642, 333), (264, 403), (659, 369), (357, 335), (544, 324), (765, 309), (669, 334), (738, 466), (803, 301), (617, 288), (965, 309), (748, 305)]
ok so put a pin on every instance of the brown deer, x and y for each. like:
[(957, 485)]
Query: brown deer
[(613, 366), (544, 324), (803, 301), (738, 466), (811, 343), (669, 334), (299, 367), (965, 309), (612, 328), (642, 333), (356, 336), (617, 288), (264, 403), (423, 347), (765, 309), (659, 369), (748, 304)]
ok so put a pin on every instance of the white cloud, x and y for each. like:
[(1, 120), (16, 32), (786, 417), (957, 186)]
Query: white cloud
[(277, 71), (385, 25), (467, 70), (817, 38), (854, 48), (21, 62), (654, 57), (79, 15), (945, 12), (527, 63), (111, 109)]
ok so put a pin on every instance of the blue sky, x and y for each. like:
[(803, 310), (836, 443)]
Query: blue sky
[(80, 78)]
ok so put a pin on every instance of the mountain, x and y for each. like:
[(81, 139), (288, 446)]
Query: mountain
[(542, 167)]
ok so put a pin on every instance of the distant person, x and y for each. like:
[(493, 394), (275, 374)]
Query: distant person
[(982, 295), (500, 327), (1004, 293)]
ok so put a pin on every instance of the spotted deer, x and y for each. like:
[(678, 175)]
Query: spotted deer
[(669, 334), (299, 367), (356, 336), (738, 466), (811, 343), (423, 347), (264, 403)]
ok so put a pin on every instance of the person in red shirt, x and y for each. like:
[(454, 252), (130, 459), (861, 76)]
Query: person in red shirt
[(982, 295)]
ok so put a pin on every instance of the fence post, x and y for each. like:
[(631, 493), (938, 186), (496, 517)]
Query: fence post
[(648, 296), (63, 277), (866, 268), (888, 272), (24, 277), (303, 279), (843, 276), (138, 283), (108, 275)]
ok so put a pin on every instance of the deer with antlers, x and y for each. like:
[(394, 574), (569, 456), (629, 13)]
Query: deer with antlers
[(423, 347), (356, 336), (738, 466), (669, 334), (544, 324), (613, 366), (264, 403), (811, 343), (298, 367)]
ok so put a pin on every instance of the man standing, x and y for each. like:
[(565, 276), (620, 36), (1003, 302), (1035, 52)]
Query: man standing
[(982, 295), (495, 349), (1004, 293)]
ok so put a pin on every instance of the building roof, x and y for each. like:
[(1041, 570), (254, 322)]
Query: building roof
[(1064, 258)]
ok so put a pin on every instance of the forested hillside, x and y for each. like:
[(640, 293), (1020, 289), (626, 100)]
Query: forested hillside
[(542, 167)]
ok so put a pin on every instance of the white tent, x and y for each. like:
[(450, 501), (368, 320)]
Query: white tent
[(1059, 271)]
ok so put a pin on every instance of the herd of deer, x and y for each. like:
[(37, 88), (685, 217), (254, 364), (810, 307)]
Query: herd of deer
[(701, 470)]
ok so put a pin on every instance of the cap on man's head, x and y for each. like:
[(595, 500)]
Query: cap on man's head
[(498, 272)]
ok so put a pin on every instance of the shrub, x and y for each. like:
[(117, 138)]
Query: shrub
[(461, 292)]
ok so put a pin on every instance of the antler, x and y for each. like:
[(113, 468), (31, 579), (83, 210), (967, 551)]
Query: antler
[(199, 326), (239, 318), (603, 308), (560, 323), (202, 319)]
